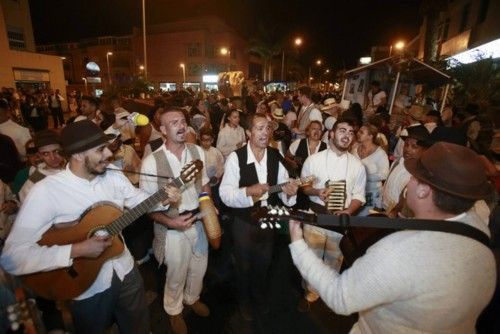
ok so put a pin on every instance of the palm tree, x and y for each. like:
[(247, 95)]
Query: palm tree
[(267, 44)]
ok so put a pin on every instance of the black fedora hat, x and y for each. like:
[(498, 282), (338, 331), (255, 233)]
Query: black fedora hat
[(46, 137), (453, 169), (420, 133), (83, 135)]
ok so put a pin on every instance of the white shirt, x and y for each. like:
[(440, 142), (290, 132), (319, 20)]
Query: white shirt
[(234, 196), (396, 181), (327, 165), (377, 98), (214, 162), (42, 168), (295, 145), (228, 138), (189, 195), (377, 168), (62, 198), (304, 120), (19, 134), (409, 282)]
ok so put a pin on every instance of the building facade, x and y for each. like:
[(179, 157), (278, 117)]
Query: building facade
[(20, 66), (204, 46), (466, 25)]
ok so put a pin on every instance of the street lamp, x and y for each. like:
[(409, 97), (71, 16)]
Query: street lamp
[(400, 45), (183, 74), (318, 63), (109, 70), (226, 52), (298, 41), (86, 90)]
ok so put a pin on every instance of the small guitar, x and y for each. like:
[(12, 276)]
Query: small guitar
[(103, 219), (279, 187), (359, 233)]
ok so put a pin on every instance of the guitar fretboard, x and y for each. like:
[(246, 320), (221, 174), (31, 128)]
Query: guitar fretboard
[(131, 215)]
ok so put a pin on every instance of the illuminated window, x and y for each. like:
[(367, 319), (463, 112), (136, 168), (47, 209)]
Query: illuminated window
[(16, 38)]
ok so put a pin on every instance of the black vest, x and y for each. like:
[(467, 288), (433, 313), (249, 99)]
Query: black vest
[(302, 151), (248, 177)]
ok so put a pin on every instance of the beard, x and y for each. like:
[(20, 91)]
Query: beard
[(338, 145), (93, 167)]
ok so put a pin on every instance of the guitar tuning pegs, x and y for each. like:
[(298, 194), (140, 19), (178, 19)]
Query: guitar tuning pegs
[(263, 225), (277, 225)]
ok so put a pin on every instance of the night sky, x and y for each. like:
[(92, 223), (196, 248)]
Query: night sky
[(339, 32)]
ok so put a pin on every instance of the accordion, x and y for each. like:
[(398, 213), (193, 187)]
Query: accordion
[(336, 195)]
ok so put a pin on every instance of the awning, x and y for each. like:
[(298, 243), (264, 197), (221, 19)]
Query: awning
[(413, 68)]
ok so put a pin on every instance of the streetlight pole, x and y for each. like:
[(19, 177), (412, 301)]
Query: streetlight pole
[(183, 74), (283, 66), (144, 39), (109, 70)]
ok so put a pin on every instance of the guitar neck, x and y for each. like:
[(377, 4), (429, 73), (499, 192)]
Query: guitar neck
[(131, 215)]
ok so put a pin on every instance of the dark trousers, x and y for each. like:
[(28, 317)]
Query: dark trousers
[(253, 250), (124, 303), (57, 116)]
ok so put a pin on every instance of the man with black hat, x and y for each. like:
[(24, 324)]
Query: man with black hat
[(414, 116), (49, 150), (416, 141), (416, 281), (117, 294)]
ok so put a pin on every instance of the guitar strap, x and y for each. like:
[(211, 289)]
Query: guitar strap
[(346, 221)]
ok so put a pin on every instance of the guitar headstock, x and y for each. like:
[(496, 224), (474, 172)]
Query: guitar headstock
[(191, 170), (271, 216)]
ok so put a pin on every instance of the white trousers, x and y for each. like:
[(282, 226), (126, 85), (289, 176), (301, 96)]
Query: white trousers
[(186, 257)]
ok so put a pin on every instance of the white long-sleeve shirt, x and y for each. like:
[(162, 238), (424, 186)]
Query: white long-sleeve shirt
[(234, 196), (377, 169), (409, 282), (327, 165), (63, 198), (229, 138)]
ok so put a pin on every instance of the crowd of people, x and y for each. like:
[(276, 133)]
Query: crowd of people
[(417, 167)]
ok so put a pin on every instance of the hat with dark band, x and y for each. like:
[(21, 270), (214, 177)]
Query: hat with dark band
[(453, 169), (46, 137), (83, 135)]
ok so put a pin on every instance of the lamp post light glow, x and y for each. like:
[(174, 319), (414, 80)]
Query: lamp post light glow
[(226, 52), (318, 62), (183, 73), (400, 45), (86, 90), (107, 62), (298, 41)]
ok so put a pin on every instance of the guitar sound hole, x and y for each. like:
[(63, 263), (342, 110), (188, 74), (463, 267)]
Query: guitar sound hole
[(101, 233)]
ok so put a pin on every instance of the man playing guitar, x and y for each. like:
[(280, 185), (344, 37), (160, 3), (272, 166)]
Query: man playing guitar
[(117, 294), (417, 281)]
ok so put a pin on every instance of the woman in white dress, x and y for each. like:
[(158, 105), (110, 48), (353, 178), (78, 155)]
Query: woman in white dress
[(376, 163), (232, 135)]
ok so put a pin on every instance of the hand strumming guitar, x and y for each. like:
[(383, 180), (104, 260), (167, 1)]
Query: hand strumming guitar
[(92, 247)]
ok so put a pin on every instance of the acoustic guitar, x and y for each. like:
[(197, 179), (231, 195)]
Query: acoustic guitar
[(308, 180), (102, 219), (359, 233)]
